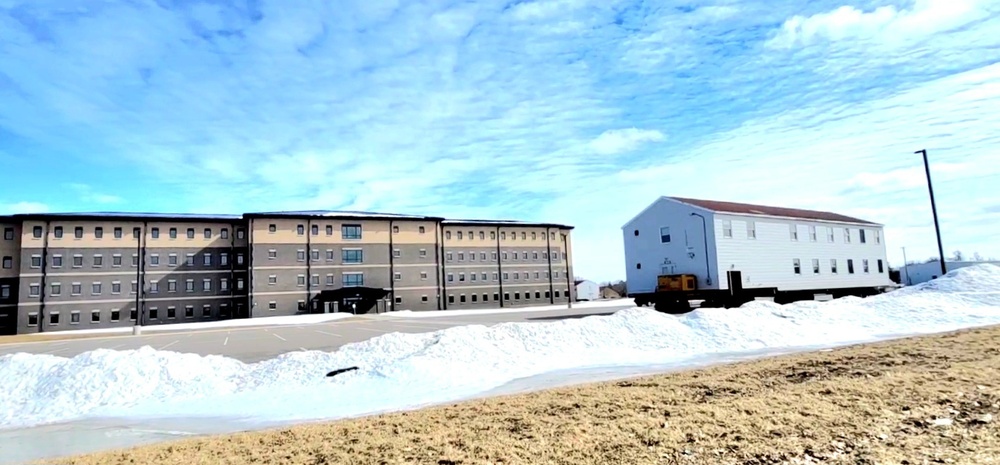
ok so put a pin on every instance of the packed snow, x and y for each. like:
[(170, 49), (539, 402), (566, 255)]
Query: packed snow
[(401, 371)]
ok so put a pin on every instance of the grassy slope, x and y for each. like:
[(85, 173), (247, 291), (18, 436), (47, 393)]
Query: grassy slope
[(865, 404)]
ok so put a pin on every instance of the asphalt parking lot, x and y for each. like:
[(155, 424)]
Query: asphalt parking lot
[(252, 344)]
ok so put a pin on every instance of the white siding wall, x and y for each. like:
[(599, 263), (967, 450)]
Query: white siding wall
[(768, 260), (684, 254), (916, 273), (588, 290)]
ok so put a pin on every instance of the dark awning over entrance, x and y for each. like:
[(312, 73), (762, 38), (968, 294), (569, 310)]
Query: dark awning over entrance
[(355, 292)]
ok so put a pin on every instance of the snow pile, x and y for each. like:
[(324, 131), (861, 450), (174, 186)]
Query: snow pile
[(401, 371)]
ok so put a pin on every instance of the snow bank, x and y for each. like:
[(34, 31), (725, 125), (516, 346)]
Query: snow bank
[(541, 308), (401, 371)]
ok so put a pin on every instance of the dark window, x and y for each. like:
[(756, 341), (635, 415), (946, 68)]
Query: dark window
[(156, 233), (352, 256), (154, 314), (58, 232), (300, 229), (8, 262), (136, 232), (133, 315), (37, 232), (116, 315), (350, 231), (315, 230), (880, 269), (353, 279), (53, 318), (78, 232), (451, 299), (208, 235), (272, 228), (99, 232), (95, 316), (32, 319), (850, 266), (74, 317), (8, 234), (118, 235)]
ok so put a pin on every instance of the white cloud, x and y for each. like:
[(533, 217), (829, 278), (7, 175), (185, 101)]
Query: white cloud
[(87, 195), (615, 141), (22, 207), (886, 25), (552, 110)]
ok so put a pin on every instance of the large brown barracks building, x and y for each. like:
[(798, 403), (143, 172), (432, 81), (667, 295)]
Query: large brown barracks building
[(98, 270)]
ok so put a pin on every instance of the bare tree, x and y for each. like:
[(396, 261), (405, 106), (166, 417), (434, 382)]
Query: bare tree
[(958, 256), (977, 257)]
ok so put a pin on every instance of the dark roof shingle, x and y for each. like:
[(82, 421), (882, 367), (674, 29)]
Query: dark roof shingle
[(750, 209)]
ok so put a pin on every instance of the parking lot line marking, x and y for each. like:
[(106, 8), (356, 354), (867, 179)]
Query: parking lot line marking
[(279, 337), (226, 342), (168, 345), (328, 334), (115, 346)]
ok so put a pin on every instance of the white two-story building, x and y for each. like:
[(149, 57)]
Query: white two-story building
[(729, 245)]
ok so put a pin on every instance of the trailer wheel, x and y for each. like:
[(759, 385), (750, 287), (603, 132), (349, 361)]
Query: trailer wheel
[(673, 307)]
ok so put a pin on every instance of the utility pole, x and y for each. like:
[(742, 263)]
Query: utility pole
[(937, 226), (906, 267)]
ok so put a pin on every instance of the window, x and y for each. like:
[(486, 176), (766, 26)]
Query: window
[(461, 256), (154, 287), (459, 235), (206, 284), (116, 314), (300, 230), (172, 285), (315, 230), (154, 259), (272, 228), (34, 290), (272, 254), (864, 265), (350, 231), (78, 232), (224, 258), (847, 235), (329, 230), (208, 235), (795, 263), (118, 235), (352, 256), (189, 259), (206, 311), (207, 259), (95, 288), (353, 279), (300, 255), (447, 235), (751, 230), (861, 232), (95, 316), (98, 232), (793, 230), (154, 313), (422, 229), (98, 261), (240, 233), (451, 277), (37, 232), (397, 276), (664, 234), (54, 318), (301, 280), (239, 283), (189, 311), (812, 233), (56, 288), (173, 233), (880, 266), (116, 287), (397, 253), (189, 285), (878, 236), (395, 229), (272, 279), (727, 228), (315, 280), (8, 234), (32, 319), (850, 266), (36, 261), (190, 233), (461, 298), (136, 232), (116, 260), (8, 262), (833, 265), (329, 280), (171, 313), (815, 266), (829, 234), (314, 255), (423, 252), (423, 298), (77, 261)]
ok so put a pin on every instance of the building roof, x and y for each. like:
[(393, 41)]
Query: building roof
[(508, 223), (339, 214), (124, 216), (751, 209)]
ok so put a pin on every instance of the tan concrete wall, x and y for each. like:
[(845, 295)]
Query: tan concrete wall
[(90, 240), (372, 231)]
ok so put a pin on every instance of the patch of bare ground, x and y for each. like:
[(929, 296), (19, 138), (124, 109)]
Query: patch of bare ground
[(925, 400)]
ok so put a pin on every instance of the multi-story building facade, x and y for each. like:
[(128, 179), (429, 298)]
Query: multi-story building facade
[(100, 270), (76, 271)]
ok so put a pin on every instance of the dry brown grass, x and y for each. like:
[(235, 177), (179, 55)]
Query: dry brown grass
[(873, 404)]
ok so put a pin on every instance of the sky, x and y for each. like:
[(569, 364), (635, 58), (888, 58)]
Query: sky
[(581, 112)]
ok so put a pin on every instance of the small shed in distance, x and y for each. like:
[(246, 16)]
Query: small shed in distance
[(587, 290)]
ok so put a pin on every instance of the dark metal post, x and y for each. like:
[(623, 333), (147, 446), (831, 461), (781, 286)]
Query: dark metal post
[(704, 228), (937, 226)]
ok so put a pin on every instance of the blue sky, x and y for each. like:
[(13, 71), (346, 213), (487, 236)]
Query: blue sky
[(574, 111)]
